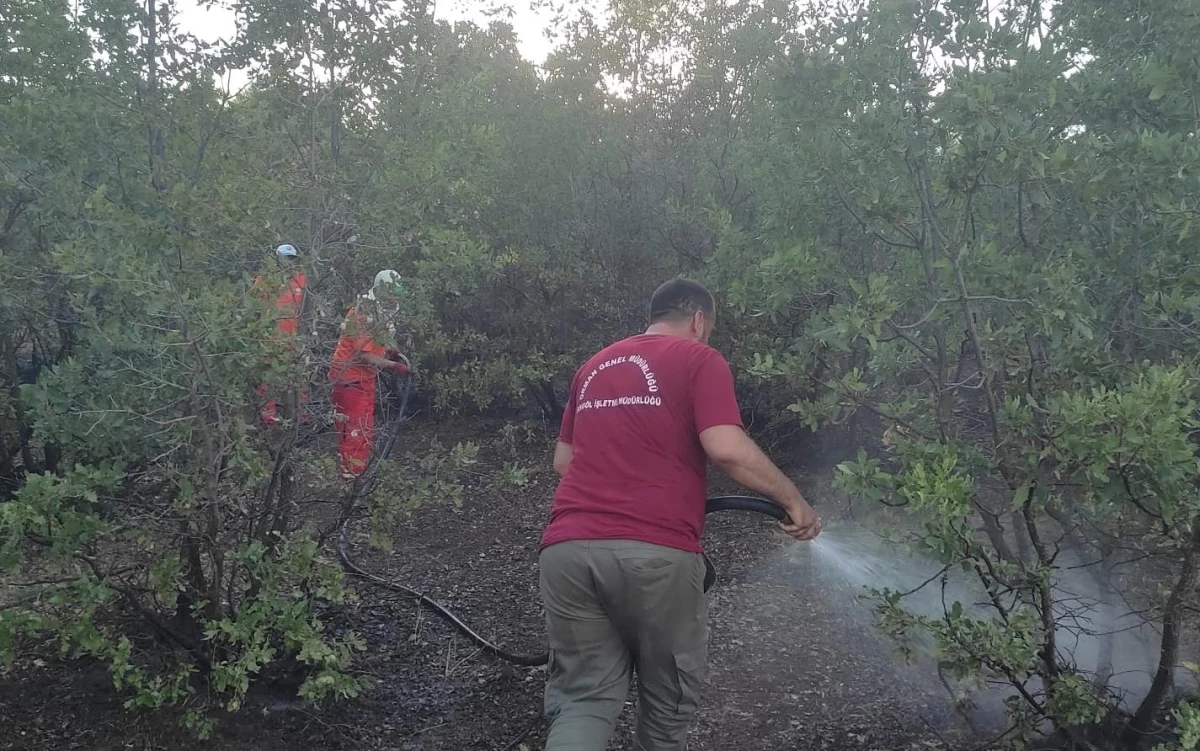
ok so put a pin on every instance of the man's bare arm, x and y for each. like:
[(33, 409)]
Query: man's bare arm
[(563, 453), (739, 456)]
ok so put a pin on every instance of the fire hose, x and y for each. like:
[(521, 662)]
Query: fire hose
[(365, 485)]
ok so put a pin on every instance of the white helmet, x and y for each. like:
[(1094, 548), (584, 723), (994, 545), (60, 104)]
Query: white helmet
[(382, 279), (287, 250)]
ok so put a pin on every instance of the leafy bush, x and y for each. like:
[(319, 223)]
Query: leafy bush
[(947, 234)]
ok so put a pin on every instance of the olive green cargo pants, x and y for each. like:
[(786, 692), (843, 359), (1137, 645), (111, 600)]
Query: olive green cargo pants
[(613, 607)]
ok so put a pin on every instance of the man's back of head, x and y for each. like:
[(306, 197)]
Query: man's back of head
[(683, 307), (678, 300)]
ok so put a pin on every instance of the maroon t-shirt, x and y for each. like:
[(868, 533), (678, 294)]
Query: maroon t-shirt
[(634, 417)]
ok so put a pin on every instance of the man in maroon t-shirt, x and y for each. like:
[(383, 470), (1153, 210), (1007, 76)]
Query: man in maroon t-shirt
[(621, 570)]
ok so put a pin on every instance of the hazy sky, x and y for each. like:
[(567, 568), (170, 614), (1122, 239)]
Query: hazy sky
[(218, 23)]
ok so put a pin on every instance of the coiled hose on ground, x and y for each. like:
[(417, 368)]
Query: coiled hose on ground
[(366, 484)]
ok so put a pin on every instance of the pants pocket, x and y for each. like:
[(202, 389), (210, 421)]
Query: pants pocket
[(553, 697), (647, 565), (691, 666)]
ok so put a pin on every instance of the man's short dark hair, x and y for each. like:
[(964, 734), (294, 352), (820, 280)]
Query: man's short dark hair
[(679, 299)]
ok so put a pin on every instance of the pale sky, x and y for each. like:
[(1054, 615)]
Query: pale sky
[(217, 23)]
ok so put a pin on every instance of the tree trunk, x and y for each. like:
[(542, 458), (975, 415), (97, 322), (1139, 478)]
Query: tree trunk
[(995, 533), (1049, 650), (197, 586), (51, 457), (1024, 549), (1168, 654), (8, 470), (24, 432), (155, 137)]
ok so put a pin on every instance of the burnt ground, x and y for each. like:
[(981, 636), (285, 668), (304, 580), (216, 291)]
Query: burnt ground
[(788, 671)]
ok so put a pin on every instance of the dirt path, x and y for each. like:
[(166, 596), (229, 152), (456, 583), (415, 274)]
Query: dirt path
[(789, 671)]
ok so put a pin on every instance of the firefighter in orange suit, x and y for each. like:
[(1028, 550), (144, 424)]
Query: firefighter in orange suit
[(362, 353), (289, 305)]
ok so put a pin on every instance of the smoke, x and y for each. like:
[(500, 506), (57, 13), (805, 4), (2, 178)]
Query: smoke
[(1101, 633)]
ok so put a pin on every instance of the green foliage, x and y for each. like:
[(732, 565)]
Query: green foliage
[(279, 619), (517, 437), (515, 474), (864, 478), (969, 229), (138, 206), (1188, 718)]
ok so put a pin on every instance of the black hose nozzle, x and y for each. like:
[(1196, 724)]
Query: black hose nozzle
[(737, 503), (745, 503)]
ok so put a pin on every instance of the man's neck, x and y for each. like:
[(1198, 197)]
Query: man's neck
[(667, 329)]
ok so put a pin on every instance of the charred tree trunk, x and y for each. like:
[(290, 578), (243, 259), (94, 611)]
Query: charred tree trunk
[(23, 429), (51, 457), (8, 470), (196, 585), (547, 400)]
